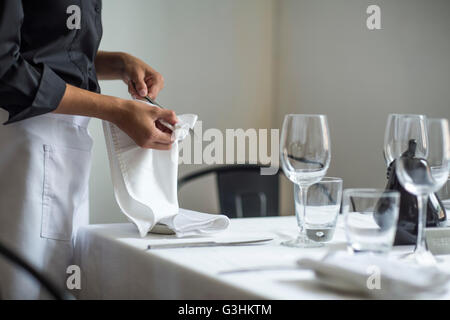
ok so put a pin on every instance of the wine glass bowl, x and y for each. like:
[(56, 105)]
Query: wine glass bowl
[(416, 177), (305, 148), (422, 176), (399, 124)]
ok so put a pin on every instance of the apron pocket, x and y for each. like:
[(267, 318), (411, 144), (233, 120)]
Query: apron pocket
[(65, 187)]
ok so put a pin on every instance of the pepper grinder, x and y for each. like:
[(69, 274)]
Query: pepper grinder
[(408, 214)]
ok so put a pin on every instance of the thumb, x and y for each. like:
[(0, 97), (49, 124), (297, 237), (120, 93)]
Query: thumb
[(141, 87)]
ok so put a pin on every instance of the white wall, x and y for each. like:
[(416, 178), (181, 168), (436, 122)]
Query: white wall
[(216, 57), (329, 62), (246, 63)]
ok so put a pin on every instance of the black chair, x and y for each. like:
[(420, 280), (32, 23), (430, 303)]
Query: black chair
[(243, 191)]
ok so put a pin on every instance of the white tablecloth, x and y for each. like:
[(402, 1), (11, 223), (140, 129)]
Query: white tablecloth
[(115, 264)]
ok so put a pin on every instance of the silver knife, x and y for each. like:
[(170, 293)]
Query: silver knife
[(207, 244), (153, 102), (259, 269)]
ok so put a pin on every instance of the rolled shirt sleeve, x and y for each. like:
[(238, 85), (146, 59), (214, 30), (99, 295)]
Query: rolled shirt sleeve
[(26, 90)]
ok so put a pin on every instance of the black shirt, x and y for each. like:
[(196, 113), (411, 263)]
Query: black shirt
[(40, 52)]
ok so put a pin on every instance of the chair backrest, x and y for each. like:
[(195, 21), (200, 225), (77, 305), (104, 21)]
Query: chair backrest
[(243, 191)]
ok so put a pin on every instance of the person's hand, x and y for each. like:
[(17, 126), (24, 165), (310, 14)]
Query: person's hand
[(140, 122), (141, 79)]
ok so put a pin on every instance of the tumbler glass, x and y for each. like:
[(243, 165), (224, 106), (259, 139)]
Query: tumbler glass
[(370, 219), (323, 204)]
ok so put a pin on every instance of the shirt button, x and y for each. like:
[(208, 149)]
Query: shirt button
[(97, 8)]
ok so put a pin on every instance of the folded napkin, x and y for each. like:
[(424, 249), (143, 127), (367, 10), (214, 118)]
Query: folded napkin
[(376, 276), (190, 223), (145, 183)]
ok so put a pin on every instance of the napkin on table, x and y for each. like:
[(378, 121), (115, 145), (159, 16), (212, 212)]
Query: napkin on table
[(190, 223), (397, 279), (145, 183)]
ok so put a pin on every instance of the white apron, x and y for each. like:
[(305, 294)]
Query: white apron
[(44, 174)]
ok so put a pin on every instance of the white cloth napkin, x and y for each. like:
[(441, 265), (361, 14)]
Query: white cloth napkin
[(358, 274), (190, 223), (145, 183)]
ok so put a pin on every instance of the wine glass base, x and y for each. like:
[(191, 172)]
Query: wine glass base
[(302, 242), (423, 258)]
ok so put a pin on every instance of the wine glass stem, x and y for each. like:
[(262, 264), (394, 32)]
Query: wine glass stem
[(422, 222), (303, 196)]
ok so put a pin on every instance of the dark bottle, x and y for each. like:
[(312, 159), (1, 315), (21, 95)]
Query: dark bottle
[(408, 215)]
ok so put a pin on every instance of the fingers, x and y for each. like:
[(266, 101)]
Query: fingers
[(141, 87), (131, 89), (135, 90), (148, 126), (162, 127), (136, 83), (160, 146), (161, 137), (167, 115), (154, 83), (155, 139)]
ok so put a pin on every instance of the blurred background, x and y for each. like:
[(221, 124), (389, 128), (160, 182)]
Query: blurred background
[(247, 63)]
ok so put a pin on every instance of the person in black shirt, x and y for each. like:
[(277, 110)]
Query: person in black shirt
[(49, 66)]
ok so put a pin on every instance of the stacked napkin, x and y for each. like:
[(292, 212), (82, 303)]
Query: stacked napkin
[(376, 276), (145, 183)]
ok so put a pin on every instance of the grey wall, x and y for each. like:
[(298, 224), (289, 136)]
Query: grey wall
[(246, 63), (329, 62)]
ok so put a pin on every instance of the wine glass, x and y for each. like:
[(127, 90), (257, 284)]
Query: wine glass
[(305, 158), (426, 175), (394, 146)]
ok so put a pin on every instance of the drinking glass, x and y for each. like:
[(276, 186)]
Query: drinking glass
[(370, 219), (323, 206), (394, 146), (424, 176), (305, 157)]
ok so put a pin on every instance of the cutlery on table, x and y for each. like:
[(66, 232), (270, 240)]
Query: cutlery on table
[(217, 243), (258, 269)]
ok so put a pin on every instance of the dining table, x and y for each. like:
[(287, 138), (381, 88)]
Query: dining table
[(116, 263)]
